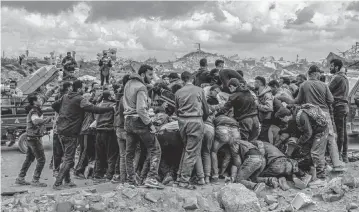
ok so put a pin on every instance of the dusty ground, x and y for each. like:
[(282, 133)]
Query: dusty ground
[(11, 161)]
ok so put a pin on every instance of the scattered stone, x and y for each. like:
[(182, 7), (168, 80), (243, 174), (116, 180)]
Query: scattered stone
[(94, 198), (270, 199), (109, 195), (51, 196), (333, 191), (351, 206), (67, 194), (190, 203), (273, 206), (349, 181), (152, 196), (63, 207), (236, 197), (301, 200), (98, 207), (132, 208), (8, 201), (129, 193), (91, 190), (302, 184)]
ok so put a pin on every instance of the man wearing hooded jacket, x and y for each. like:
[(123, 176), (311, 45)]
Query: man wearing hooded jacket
[(71, 109)]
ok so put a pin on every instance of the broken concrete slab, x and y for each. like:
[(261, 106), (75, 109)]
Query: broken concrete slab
[(190, 203), (98, 207), (152, 196), (301, 200), (63, 207), (236, 197), (129, 192), (351, 206), (302, 183), (270, 199), (273, 206)]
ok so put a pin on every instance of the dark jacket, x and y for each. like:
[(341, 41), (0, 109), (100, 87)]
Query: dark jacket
[(71, 65), (243, 104), (308, 127), (201, 76), (71, 108), (339, 87), (105, 120), (191, 102), (225, 75), (119, 119)]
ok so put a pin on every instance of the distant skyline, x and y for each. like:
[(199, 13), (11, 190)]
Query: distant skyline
[(170, 29)]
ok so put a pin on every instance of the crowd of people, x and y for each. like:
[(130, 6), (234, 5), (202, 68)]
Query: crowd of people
[(193, 129)]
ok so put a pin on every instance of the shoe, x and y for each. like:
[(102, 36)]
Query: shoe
[(57, 187), (259, 187), (21, 181), (70, 185), (206, 180), (11, 143), (116, 179), (153, 183), (55, 174), (167, 180), (88, 171), (222, 177), (201, 181), (273, 181), (37, 183), (345, 158), (215, 179), (340, 168), (79, 176), (283, 184)]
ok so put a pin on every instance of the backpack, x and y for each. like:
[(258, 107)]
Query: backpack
[(314, 112)]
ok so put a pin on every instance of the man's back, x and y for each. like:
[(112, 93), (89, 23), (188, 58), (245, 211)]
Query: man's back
[(339, 87), (189, 101), (315, 92)]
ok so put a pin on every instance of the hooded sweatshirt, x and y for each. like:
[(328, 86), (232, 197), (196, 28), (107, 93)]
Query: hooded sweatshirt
[(71, 108), (135, 99), (265, 104)]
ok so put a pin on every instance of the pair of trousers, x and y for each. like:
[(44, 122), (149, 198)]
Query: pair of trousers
[(332, 144), (106, 152), (250, 169), (137, 131), (191, 130), (87, 152), (207, 143), (249, 128), (69, 148), (57, 152), (103, 78), (223, 135), (317, 152), (340, 120), (35, 150)]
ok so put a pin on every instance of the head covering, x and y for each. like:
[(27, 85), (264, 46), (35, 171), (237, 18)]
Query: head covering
[(282, 112)]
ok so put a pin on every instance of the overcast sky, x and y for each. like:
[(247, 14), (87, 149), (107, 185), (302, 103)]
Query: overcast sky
[(168, 29)]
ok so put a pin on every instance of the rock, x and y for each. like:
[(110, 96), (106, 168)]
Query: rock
[(190, 203), (109, 195), (152, 196), (63, 207), (80, 205), (302, 184), (91, 190), (129, 193), (301, 200), (98, 207), (94, 198), (270, 199), (8, 201), (68, 194), (51, 196), (273, 206), (236, 197), (332, 192), (352, 206), (349, 181), (132, 208)]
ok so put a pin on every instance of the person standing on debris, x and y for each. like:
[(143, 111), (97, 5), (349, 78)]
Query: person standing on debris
[(69, 64), (192, 110), (71, 108), (105, 66), (106, 144), (264, 104), (339, 86), (202, 75), (139, 127), (244, 108), (35, 128), (317, 93)]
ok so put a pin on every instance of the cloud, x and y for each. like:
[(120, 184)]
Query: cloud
[(353, 6), (166, 29)]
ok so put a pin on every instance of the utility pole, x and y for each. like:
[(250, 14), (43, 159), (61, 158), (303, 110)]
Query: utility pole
[(199, 47)]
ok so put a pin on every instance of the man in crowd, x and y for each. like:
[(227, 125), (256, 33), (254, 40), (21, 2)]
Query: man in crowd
[(202, 75), (219, 64), (105, 66), (106, 143), (174, 80), (166, 79), (264, 104), (192, 110), (71, 108), (244, 109), (35, 128), (69, 64), (317, 93), (139, 127), (225, 75), (339, 87), (279, 91)]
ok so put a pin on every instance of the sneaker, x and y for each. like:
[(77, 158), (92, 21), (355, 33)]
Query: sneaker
[(37, 183), (206, 179), (152, 183), (79, 176), (167, 180), (201, 181), (215, 179), (21, 181), (345, 158), (116, 179), (283, 184), (259, 187), (70, 185), (57, 187)]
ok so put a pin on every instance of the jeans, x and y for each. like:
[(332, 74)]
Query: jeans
[(69, 149), (340, 119), (317, 152), (206, 149), (103, 78), (223, 135), (106, 148), (251, 168), (249, 128), (137, 131), (57, 152), (332, 144), (87, 152), (191, 131), (34, 150)]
